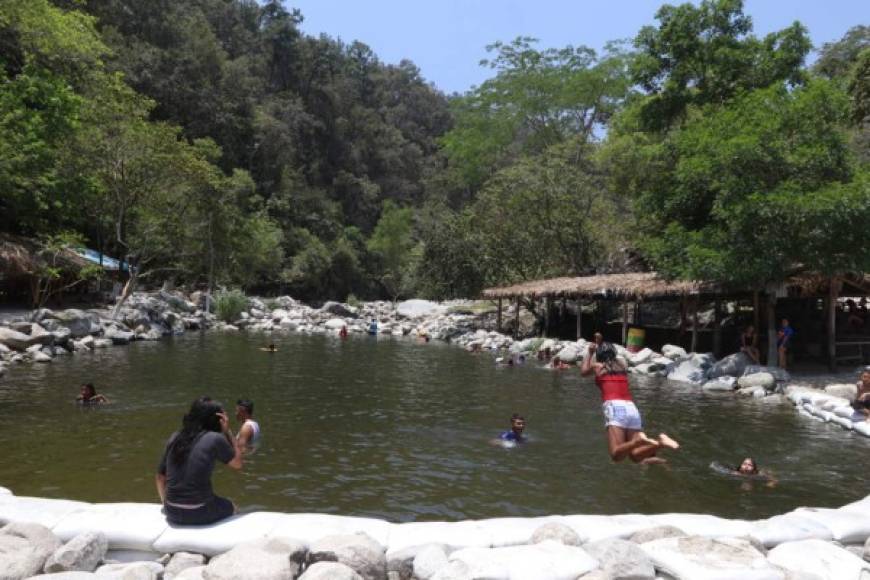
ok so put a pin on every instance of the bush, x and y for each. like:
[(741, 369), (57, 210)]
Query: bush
[(229, 305), (352, 300)]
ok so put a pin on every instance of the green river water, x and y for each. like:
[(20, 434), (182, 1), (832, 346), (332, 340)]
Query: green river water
[(399, 430)]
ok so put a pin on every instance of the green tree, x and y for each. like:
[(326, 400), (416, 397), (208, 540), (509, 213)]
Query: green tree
[(393, 243), (836, 59)]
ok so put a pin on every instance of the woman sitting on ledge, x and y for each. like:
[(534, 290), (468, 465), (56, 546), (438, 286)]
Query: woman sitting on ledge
[(184, 474)]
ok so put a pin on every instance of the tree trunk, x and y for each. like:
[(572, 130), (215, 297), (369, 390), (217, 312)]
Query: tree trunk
[(695, 305), (546, 316), (579, 319), (517, 320), (498, 317), (772, 358), (831, 323), (624, 322), (717, 328), (129, 288)]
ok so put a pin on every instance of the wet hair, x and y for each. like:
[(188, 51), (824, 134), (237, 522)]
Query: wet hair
[(605, 353), (517, 417), (92, 392), (754, 465), (247, 405), (201, 417)]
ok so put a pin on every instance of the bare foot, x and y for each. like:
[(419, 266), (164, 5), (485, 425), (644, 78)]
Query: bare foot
[(653, 461), (668, 442), (644, 438)]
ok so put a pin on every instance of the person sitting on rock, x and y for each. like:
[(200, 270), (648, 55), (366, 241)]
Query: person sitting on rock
[(625, 437), (515, 435), (88, 395), (749, 344), (861, 404), (184, 474), (249, 432)]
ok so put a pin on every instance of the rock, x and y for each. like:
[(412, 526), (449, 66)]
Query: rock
[(195, 573), (570, 354), (732, 365), (339, 309), (720, 384), (41, 314), (87, 342), (456, 570), (61, 335), (359, 551), (548, 560), (20, 341), (21, 326), (80, 323), (119, 336), (687, 371), (335, 324), (66, 576), (656, 533), (753, 392), (419, 308), (621, 559), (429, 561), (182, 561), (846, 391), (673, 352), (330, 571), (557, 532), (83, 553), (818, 557), (781, 375), (265, 558), (694, 557), (642, 356), (401, 561), (764, 380), (24, 548), (867, 550), (130, 571), (41, 357)]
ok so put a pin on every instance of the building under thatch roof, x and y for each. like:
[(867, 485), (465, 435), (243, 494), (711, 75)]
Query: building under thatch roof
[(630, 286), (20, 258)]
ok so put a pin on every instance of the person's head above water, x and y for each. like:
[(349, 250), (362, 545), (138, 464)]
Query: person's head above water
[(273, 347), (748, 467), (244, 409), (518, 423), (88, 391)]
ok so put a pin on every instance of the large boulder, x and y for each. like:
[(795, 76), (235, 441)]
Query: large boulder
[(558, 532), (694, 557), (20, 341), (181, 561), (621, 559), (131, 571), (24, 548), (428, 561), (673, 352), (824, 559), (419, 309), (177, 301), (732, 365), (335, 323), (764, 380), (330, 571), (263, 559), (358, 551), (83, 553), (79, 322), (339, 309)]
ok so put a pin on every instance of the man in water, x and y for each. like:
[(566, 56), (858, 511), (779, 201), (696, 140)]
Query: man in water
[(515, 435), (249, 432)]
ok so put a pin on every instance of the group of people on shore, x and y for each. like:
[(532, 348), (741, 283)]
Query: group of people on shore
[(748, 343)]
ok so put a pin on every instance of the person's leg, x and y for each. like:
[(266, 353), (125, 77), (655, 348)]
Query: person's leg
[(621, 442), (781, 351)]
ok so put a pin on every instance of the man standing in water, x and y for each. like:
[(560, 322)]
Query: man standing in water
[(249, 432)]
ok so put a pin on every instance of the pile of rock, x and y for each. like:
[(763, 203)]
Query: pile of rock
[(75, 540), (830, 405)]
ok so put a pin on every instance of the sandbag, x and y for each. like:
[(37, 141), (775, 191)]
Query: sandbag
[(216, 538), (694, 557), (788, 528), (846, 526), (47, 512), (548, 560), (454, 535), (593, 528), (703, 524), (513, 531), (128, 526), (818, 557), (308, 528)]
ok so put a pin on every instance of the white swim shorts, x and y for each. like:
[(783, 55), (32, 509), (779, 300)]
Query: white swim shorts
[(622, 414)]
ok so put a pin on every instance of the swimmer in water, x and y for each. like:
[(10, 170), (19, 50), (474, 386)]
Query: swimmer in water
[(559, 364), (625, 437), (515, 435), (270, 348), (748, 469), (343, 332), (88, 395)]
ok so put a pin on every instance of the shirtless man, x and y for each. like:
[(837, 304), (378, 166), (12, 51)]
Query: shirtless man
[(249, 431)]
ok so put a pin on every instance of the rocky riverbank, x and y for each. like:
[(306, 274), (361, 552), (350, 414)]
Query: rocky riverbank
[(70, 540)]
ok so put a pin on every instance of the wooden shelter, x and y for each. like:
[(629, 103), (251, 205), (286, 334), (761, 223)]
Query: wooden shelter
[(21, 265), (639, 287)]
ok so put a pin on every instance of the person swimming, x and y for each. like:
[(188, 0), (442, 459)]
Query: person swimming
[(270, 348), (515, 435), (88, 395), (748, 469), (625, 437)]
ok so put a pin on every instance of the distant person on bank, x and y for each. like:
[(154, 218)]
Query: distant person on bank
[(184, 474), (249, 431), (749, 344), (783, 342)]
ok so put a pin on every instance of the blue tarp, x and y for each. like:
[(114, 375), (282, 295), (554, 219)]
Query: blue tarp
[(94, 256)]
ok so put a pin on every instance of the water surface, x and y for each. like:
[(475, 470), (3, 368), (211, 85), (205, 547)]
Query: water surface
[(399, 430)]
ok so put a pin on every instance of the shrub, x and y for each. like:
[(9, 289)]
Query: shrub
[(229, 305)]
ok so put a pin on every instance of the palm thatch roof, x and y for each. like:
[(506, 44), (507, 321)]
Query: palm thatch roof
[(632, 286), (20, 257)]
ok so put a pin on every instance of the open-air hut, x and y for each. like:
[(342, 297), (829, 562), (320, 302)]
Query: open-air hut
[(22, 268), (817, 292)]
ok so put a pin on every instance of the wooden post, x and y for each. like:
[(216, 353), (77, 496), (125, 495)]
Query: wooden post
[(772, 352), (624, 322), (579, 319), (717, 329), (831, 322), (498, 317), (756, 312), (694, 346), (546, 316), (683, 309), (517, 320)]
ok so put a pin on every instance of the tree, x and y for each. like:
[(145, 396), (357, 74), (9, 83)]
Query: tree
[(55, 273), (836, 59), (393, 243)]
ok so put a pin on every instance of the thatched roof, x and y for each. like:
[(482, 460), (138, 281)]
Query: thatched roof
[(637, 285), (648, 285), (19, 257)]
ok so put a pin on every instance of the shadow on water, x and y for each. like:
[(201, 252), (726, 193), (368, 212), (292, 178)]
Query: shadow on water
[(400, 430)]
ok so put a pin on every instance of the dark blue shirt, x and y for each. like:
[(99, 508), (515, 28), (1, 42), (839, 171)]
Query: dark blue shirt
[(787, 333), (511, 436)]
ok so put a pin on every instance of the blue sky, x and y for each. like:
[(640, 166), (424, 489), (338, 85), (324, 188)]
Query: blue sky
[(446, 38)]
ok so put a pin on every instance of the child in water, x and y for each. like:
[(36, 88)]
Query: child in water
[(515, 435), (748, 469), (88, 395)]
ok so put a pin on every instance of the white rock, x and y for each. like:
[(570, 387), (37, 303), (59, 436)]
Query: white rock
[(788, 528), (24, 548), (846, 526), (621, 559), (818, 557), (557, 532), (695, 557), (428, 561), (330, 571), (402, 561), (130, 571), (66, 576), (765, 380), (673, 352), (41, 357), (359, 551), (570, 354), (720, 384), (83, 553), (545, 561), (335, 323), (656, 533), (263, 559), (195, 573), (845, 391), (181, 561), (456, 570), (419, 308)]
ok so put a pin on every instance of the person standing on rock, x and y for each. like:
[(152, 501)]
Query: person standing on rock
[(249, 432), (184, 474), (783, 342), (625, 437)]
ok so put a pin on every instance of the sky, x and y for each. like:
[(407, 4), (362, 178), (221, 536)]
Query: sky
[(446, 39)]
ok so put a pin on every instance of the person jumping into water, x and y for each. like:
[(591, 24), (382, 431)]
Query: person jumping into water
[(625, 437)]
